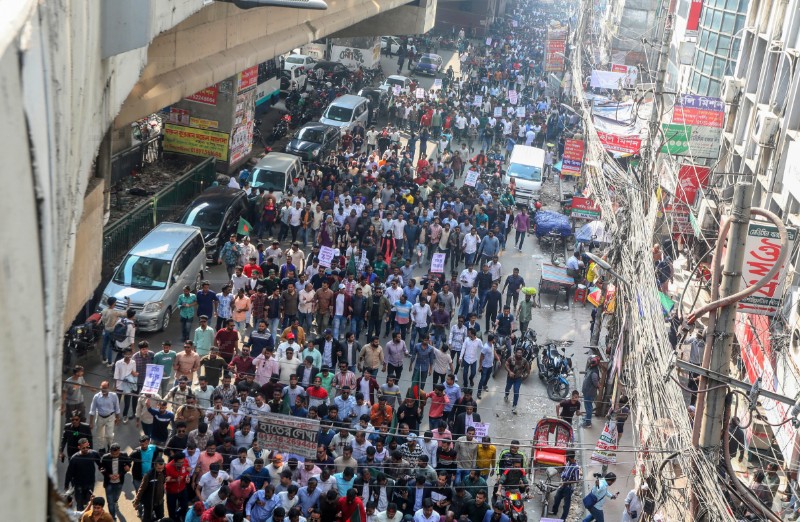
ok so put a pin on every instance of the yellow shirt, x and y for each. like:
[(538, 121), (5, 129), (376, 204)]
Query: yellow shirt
[(485, 459)]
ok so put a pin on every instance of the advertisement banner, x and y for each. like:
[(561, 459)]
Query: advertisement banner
[(207, 96), (353, 58), (573, 157), (247, 79), (605, 451), (706, 111), (585, 208), (762, 248), (201, 123), (195, 142), (679, 215), (243, 123), (753, 335), (688, 140), (620, 144), (287, 434), (690, 180), (179, 116)]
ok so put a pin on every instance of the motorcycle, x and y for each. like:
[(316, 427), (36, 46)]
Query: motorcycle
[(557, 384), (502, 351), (80, 339), (281, 129), (527, 343), (514, 505)]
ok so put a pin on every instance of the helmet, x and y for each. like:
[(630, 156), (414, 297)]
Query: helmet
[(594, 361), (537, 205)]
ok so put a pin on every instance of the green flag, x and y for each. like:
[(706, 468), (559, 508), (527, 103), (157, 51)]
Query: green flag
[(245, 228)]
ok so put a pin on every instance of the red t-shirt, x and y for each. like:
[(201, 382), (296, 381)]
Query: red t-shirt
[(352, 512), (176, 477)]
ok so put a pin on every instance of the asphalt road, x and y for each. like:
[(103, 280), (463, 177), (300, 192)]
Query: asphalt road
[(559, 324)]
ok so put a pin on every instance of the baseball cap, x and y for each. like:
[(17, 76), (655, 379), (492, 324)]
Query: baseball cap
[(290, 335)]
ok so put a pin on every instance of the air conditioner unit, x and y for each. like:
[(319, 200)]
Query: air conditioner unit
[(707, 214), (731, 89), (766, 127)]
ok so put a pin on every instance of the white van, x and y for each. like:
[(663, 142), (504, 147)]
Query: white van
[(274, 172), (525, 167), (154, 272), (345, 111)]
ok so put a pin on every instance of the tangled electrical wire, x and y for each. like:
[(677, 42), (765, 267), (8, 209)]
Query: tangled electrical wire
[(632, 216)]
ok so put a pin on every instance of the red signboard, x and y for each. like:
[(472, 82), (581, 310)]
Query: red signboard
[(584, 208), (207, 96), (698, 117), (620, 144), (248, 79), (573, 157), (753, 334), (679, 216), (619, 68), (690, 179), (693, 20)]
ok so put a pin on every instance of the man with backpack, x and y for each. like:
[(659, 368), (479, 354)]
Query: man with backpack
[(109, 318), (124, 333)]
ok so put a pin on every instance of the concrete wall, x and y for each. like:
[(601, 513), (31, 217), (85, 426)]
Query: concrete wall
[(87, 264), (222, 40)]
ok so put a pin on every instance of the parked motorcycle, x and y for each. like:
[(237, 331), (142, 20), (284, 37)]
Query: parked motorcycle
[(281, 128), (557, 384), (80, 339)]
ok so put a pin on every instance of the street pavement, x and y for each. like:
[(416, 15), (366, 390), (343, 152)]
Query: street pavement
[(549, 323)]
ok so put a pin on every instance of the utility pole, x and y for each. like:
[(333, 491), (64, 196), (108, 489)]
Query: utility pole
[(648, 161), (711, 423)]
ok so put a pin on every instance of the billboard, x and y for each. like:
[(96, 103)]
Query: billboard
[(207, 96), (573, 157), (288, 434), (691, 140), (762, 248), (195, 142), (620, 144), (584, 208), (247, 79)]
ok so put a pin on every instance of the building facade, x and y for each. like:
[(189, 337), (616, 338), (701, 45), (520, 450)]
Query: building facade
[(761, 144)]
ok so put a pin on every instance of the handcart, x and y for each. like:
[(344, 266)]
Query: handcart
[(554, 279)]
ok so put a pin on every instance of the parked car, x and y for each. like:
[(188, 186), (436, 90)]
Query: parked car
[(391, 42), (216, 212), (298, 75), (395, 79), (313, 140), (334, 71), (298, 60), (429, 64), (153, 273)]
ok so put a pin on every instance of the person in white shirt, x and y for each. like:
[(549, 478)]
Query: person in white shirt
[(210, 482), (496, 269), (467, 279), (426, 514), (420, 313), (470, 245), (470, 352), (239, 464), (390, 515)]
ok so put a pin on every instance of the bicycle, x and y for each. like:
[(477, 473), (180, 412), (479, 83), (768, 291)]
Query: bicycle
[(545, 487)]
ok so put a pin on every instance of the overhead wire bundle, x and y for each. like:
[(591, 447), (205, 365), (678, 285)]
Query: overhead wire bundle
[(630, 208)]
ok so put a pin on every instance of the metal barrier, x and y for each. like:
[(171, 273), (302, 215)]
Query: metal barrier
[(121, 235), (125, 162)]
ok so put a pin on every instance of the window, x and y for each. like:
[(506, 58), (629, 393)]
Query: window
[(728, 22)]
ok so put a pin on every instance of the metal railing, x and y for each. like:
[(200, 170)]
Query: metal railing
[(132, 159), (122, 234)]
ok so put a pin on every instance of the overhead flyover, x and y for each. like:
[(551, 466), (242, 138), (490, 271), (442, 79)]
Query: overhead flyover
[(221, 40)]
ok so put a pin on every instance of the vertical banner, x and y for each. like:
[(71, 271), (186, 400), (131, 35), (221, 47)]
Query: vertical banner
[(572, 160), (605, 451)]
